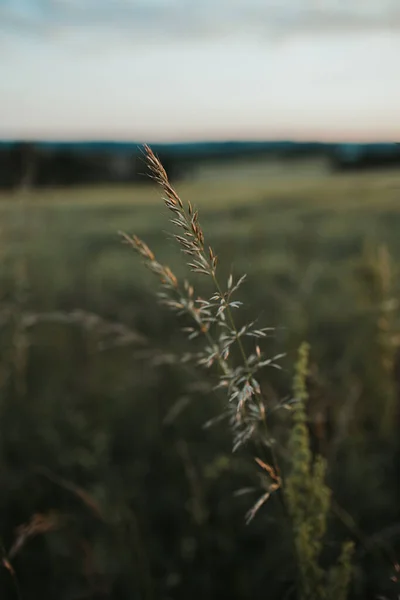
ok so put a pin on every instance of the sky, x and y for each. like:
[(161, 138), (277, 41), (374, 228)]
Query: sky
[(176, 70)]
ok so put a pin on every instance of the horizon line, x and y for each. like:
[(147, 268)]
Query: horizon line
[(191, 141), (209, 135)]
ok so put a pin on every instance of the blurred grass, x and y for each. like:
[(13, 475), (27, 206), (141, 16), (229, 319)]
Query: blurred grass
[(299, 239), (100, 417), (261, 227), (336, 208)]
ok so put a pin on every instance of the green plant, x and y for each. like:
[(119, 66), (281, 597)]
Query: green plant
[(378, 303), (308, 501)]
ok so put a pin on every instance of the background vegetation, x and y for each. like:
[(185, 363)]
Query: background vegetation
[(111, 486)]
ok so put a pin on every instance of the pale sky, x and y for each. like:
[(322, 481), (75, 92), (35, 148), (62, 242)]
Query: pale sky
[(169, 70)]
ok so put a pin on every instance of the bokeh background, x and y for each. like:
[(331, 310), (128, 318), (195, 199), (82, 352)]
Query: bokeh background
[(279, 121)]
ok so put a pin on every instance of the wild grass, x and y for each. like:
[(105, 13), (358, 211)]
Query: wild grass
[(212, 317), (305, 495)]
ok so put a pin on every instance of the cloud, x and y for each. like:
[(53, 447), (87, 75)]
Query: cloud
[(191, 19)]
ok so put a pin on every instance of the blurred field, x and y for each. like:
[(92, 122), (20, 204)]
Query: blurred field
[(98, 412), (264, 227)]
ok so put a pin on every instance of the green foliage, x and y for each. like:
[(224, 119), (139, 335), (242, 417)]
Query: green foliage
[(378, 301), (339, 576), (308, 500)]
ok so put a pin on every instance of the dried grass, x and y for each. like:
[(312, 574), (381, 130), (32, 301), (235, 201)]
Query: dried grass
[(213, 321)]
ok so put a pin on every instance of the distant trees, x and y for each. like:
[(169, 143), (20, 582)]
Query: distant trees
[(361, 157), (17, 165), (28, 165)]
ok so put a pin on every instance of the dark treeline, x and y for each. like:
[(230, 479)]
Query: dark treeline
[(67, 163), (27, 164)]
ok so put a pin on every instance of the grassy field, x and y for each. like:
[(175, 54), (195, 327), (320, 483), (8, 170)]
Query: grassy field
[(334, 212), (99, 414), (264, 227)]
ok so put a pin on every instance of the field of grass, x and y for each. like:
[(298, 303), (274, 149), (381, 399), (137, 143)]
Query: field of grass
[(258, 221), (89, 406)]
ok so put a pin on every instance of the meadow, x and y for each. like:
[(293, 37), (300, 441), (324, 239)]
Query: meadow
[(111, 486)]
